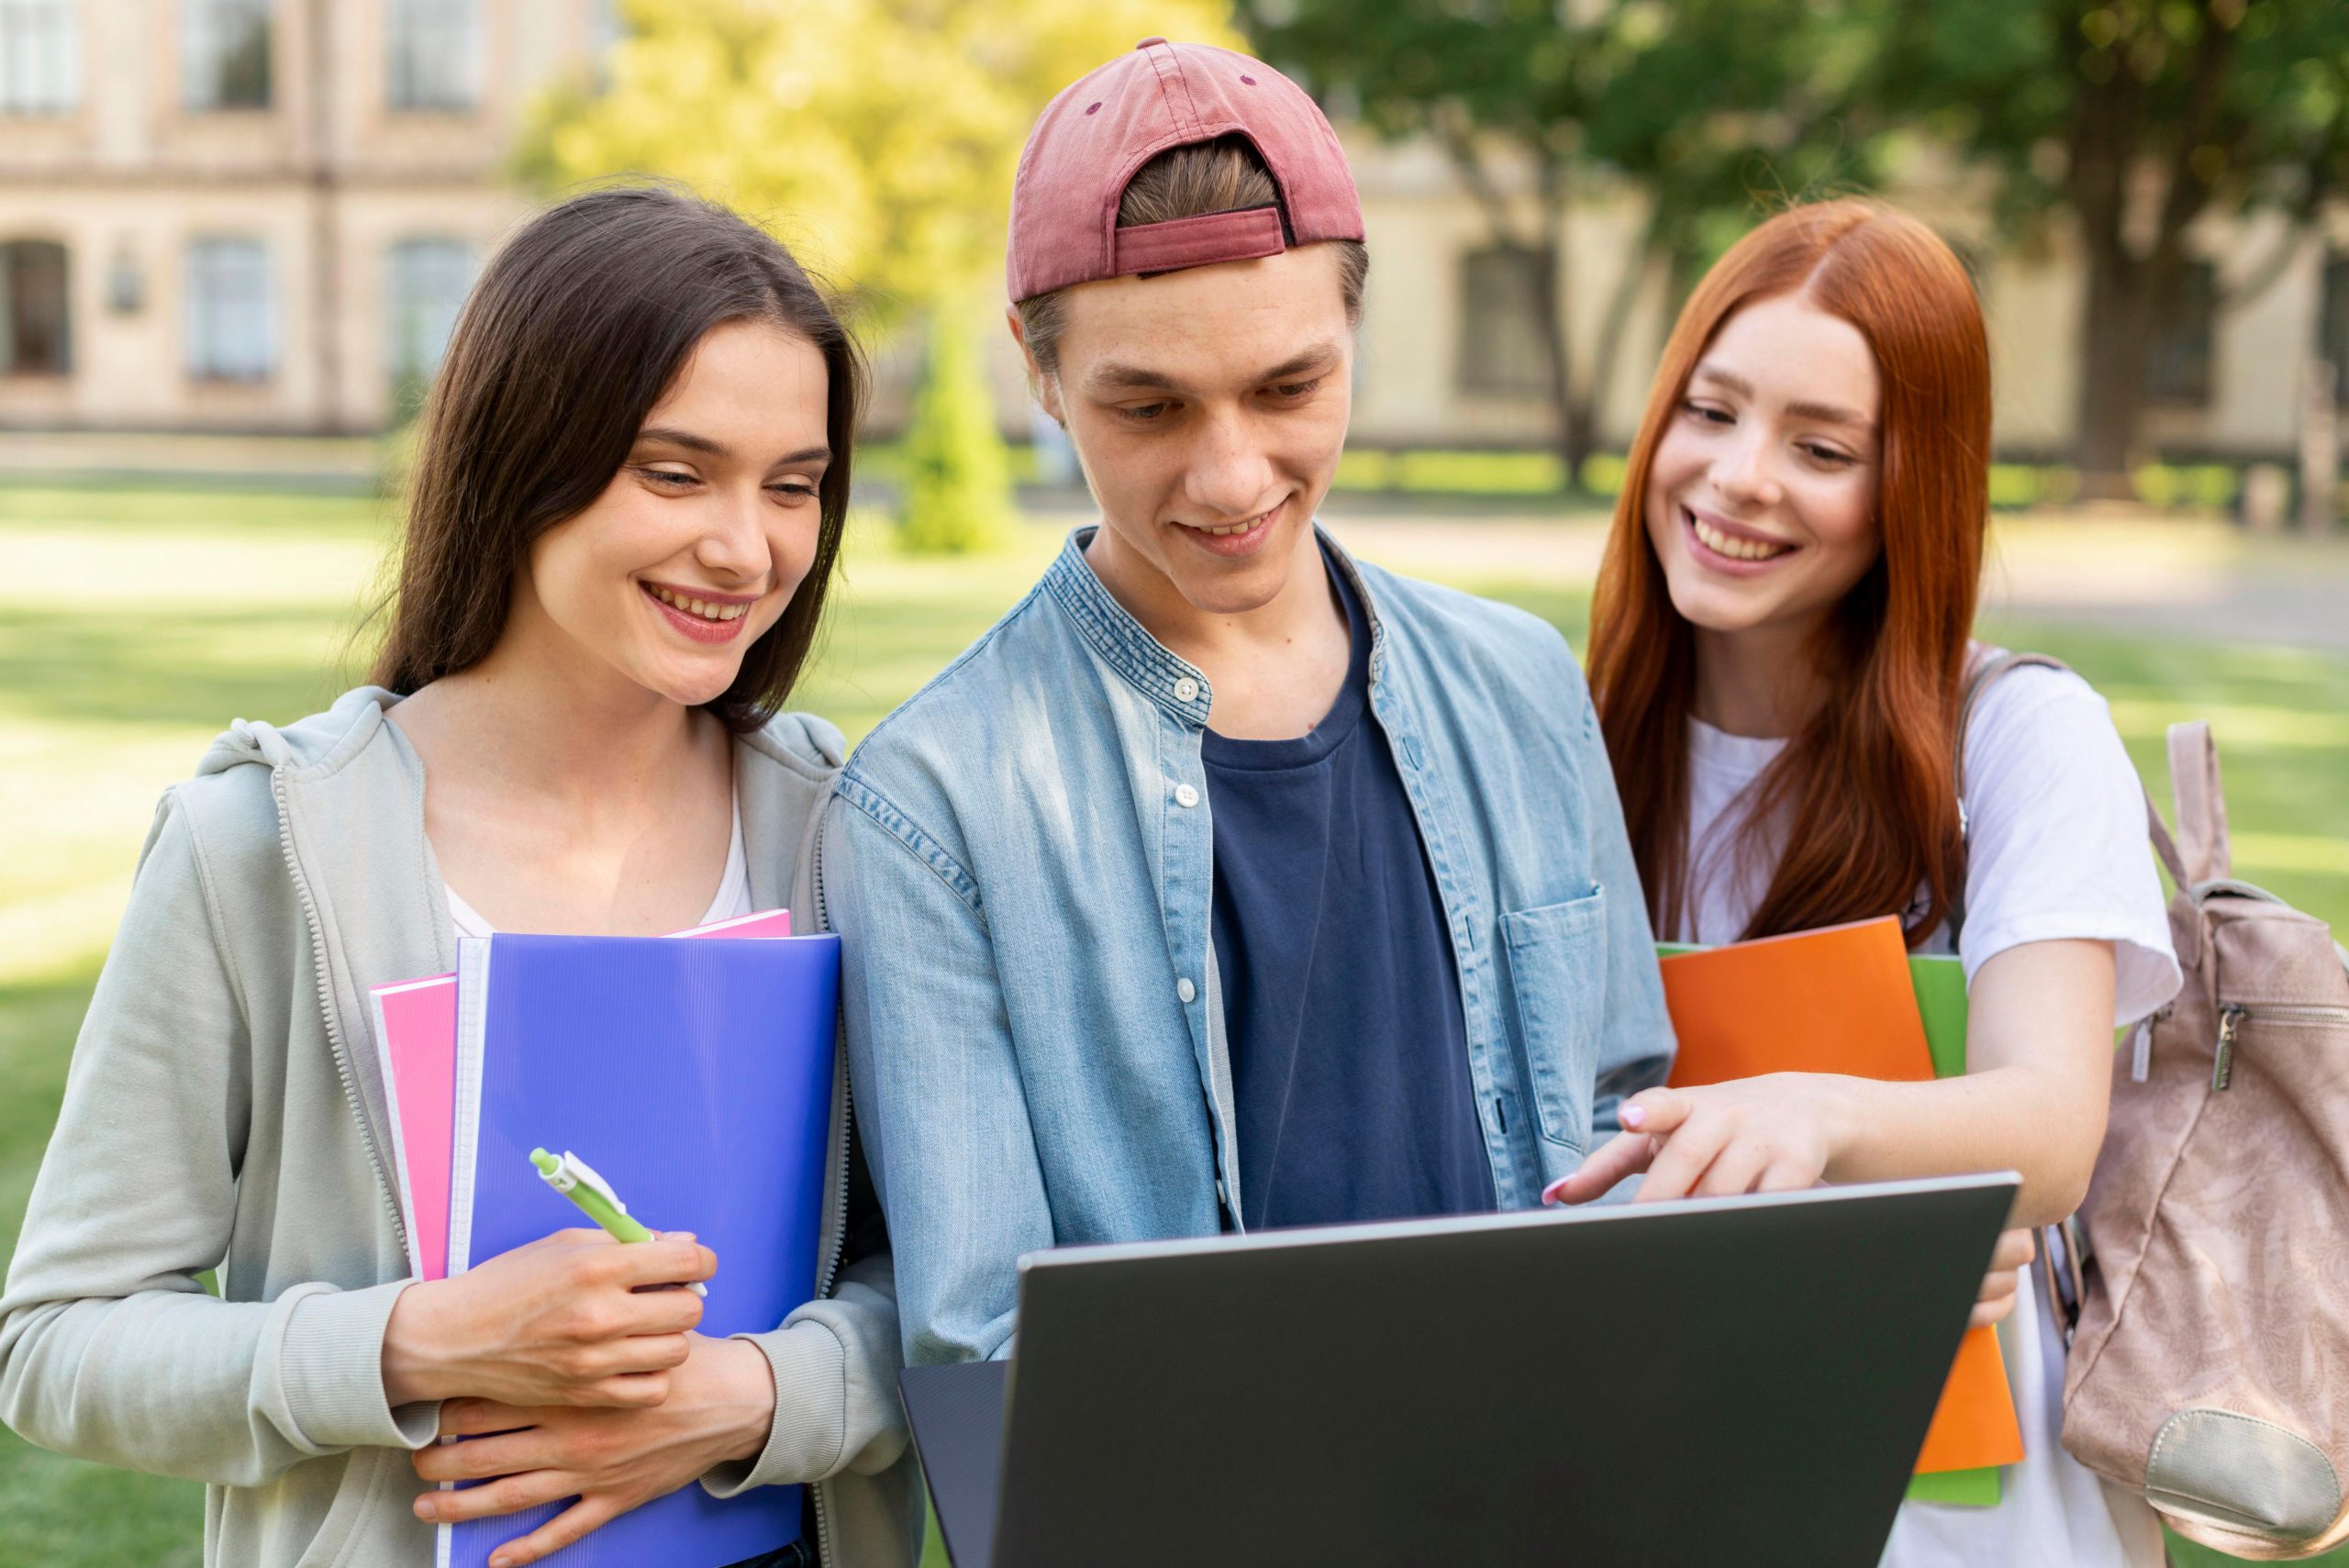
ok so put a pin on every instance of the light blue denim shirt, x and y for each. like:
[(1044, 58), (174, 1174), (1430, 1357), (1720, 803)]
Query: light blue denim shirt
[(1020, 863)]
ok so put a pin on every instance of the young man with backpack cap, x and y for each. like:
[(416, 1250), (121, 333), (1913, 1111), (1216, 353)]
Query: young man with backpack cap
[(1226, 881)]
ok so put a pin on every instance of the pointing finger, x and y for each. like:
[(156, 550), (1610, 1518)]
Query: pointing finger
[(1624, 1154), (1656, 1111)]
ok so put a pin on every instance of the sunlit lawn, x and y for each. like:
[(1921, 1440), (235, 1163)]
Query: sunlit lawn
[(134, 624)]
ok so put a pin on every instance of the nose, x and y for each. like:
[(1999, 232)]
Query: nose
[(1746, 473), (1230, 475), (733, 543)]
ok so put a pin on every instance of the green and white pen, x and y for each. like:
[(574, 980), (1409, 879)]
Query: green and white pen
[(578, 1180)]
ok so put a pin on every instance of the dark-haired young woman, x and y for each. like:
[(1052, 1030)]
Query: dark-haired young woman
[(1779, 645), (627, 507)]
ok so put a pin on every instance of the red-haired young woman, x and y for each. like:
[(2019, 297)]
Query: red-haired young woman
[(1779, 643)]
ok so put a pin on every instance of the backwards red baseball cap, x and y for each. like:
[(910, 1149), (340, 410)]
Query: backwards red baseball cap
[(1097, 133)]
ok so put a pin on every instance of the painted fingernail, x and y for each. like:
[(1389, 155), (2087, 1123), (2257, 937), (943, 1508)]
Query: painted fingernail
[(1635, 1116)]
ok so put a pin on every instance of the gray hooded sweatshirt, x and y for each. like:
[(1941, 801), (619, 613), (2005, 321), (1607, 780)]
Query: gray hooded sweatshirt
[(224, 1109)]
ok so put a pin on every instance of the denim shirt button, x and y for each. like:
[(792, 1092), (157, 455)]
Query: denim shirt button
[(1185, 797), (1187, 992), (1187, 690)]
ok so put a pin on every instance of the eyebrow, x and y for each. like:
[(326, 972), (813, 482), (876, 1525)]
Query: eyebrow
[(1824, 413), (668, 435), (1115, 375)]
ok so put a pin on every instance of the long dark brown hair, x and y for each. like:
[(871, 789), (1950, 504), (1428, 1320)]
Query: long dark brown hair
[(1868, 789), (574, 331)]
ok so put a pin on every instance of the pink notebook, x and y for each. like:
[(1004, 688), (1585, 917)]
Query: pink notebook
[(416, 1047)]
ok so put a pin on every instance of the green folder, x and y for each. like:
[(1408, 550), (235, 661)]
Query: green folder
[(1940, 983)]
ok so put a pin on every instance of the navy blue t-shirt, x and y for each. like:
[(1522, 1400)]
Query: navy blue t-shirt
[(1341, 1007)]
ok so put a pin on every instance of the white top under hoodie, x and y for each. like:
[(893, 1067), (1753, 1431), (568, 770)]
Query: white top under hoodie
[(223, 1110)]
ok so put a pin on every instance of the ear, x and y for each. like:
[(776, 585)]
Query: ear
[(1046, 387)]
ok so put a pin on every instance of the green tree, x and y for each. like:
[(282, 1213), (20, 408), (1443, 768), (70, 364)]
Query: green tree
[(958, 488), (877, 137), (1701, 110), (2130, 121)]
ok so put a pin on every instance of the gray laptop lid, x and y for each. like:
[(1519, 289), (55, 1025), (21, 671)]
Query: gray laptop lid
[(1618, 1385)]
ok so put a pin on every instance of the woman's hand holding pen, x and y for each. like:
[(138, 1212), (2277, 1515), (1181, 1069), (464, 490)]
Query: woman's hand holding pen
[(720, 1407), (566, 1320)]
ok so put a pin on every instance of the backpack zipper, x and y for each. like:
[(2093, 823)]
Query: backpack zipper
[(2232, 1018), (2223, 1060), (2141, 1044)]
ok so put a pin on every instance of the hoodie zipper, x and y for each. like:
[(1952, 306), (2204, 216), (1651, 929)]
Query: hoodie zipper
[(327, 1009), (2234, 1015), (828, 1274), (831, 1262)]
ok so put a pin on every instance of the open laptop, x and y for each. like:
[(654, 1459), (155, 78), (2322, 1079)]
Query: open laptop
[(1741, 1379)]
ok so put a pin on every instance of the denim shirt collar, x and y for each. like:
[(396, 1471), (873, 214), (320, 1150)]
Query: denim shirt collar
[(1141, 659)]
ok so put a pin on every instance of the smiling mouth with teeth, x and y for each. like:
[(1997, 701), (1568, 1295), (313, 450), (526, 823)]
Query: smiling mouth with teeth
[(701, 608), (1730, 545), (1228, 530)]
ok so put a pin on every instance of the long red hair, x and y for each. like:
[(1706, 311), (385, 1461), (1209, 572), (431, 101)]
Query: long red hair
[(1867, 790)]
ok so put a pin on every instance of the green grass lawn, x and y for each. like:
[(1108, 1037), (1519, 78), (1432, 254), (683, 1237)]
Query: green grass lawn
[(219, 606)]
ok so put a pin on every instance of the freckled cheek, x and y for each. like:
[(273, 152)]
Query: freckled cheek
[(1840, 517), (1670, 471)]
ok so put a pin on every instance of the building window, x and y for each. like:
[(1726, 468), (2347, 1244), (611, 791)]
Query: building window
[(35, 326), (225, 53), (424, 287), (40, 57), (1501, 333), (231, 311), (2332, 340), (126, 282), (433, 49), (2177, 361)]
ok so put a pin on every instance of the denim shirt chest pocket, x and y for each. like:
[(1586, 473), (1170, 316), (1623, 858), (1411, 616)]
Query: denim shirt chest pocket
[(1557, 968)]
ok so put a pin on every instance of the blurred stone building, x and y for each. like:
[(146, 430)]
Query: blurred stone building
[(253, 214), (259, 216)]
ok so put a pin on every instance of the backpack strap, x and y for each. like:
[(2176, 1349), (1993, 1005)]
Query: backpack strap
[(1988, 670), (2061, 1248), (2194, 784), (2203, 853)]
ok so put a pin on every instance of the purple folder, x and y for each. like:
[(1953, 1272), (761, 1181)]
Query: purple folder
[(696, 1077)]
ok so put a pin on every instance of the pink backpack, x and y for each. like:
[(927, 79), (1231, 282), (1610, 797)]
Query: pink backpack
[(2210, 1362)]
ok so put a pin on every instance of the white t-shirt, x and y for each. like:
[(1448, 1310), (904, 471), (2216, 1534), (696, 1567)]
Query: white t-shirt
[(733, 899), (2056, 850)]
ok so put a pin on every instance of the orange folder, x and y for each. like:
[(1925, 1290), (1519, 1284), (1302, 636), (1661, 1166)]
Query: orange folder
[(1837, 1000)]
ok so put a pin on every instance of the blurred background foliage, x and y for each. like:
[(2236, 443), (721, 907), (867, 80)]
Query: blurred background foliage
[(878, 138)]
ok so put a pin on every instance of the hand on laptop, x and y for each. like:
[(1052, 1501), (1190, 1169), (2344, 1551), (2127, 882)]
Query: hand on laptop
[(1767, 1134), (1751, 1135)]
